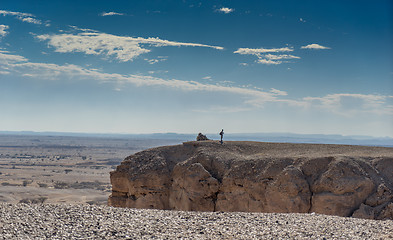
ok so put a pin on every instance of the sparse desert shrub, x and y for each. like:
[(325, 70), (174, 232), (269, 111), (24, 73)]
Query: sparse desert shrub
[(97, 167), (43, 185), (38, 200), (90, 185), (96, 202), (67, 171), (26, 182), (9, 184), (101, 188), (25, 200), (61, 185)]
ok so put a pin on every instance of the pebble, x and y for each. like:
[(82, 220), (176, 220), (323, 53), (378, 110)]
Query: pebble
[(66, 221)]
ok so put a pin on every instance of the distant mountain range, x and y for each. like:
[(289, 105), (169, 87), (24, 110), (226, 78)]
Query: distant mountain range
[(260, 137)]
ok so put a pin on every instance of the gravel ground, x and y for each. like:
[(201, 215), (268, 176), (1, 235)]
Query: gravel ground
[(64, 221)]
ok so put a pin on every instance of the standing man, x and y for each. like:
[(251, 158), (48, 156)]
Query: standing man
[(222, 135)]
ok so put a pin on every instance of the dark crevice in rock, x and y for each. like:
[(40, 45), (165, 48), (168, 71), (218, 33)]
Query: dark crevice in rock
[(311, 192), (311, 199), (214, 199)]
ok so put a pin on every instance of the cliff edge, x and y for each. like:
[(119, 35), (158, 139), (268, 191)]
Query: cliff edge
[(337, 180)]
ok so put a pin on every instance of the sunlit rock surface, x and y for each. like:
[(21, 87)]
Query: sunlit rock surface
[(337, 180)]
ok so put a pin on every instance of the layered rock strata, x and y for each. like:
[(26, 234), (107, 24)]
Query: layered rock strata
[(258, 177)]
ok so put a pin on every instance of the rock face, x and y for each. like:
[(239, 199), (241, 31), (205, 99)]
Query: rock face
[(258, 177)]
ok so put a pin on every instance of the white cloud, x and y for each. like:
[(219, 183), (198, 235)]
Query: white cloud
[(207, 78), (122, 48), (3, 29), (314, 46), (257, 51), (111, 14), (151, 72), (264, 54), (24, 17), (345, 104), (21, 65), (31, 20), (156, 60), (278, 92), (302, 20), (349, 104), (7, 59), (80, 29), (279, 57), (268, 62), (152, 61), (226, 10)]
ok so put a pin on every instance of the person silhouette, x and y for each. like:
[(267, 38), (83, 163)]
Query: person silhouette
[(222, 135)]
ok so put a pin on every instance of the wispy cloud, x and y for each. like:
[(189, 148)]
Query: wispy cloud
[(268, 62), (3, 29), (120, 47), (278, 92), (21, 65), (156, 60), (265, 55), (24, 17), (7, 59), (279, 57), (314, 46), (345, 104), (349, 104), (225, 10), (256, 51), (110, 14)]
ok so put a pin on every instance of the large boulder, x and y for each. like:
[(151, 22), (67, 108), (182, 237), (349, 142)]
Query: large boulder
[(289, 192), (341, 188), (201, 137), (258, 177), (193, 188)]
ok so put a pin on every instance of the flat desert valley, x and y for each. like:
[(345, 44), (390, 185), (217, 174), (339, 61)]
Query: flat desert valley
[(59, 169)]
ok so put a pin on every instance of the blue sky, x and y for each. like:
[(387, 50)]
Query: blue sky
[(323, 67)]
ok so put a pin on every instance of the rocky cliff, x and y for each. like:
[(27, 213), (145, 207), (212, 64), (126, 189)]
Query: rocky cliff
[(258, 177)]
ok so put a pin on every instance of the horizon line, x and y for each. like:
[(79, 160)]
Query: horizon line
[(195, 133)]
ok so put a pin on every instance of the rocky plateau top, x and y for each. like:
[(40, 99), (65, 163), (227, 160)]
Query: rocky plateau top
[(337, 180)]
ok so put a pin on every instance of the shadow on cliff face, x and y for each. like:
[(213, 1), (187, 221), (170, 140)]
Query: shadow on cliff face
[(258, 177)]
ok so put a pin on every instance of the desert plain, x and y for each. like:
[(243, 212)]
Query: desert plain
[(62, 169)]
